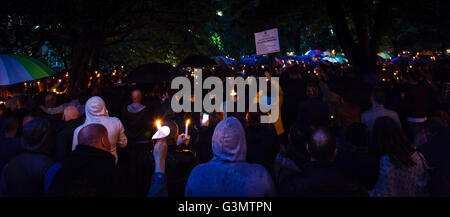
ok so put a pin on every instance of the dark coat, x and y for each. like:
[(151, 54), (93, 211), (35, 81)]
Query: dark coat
[(321, 179), (179, 164), (64, 138), (9, 147), (313, 112), (202, 145), (436, 151), (361, 167), (24, 175), (86, 172), (137, 125), (262, 146)]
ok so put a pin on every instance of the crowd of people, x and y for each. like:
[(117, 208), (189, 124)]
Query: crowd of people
[(337, 136)]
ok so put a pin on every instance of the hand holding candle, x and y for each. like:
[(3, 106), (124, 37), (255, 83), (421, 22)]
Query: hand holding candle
[(163, 131)]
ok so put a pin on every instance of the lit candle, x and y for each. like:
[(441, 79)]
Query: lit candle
[(186, 129), (163, 131), (158, 124)]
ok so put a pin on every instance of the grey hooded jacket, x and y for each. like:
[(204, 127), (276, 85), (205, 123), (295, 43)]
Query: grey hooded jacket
[(227, 174)]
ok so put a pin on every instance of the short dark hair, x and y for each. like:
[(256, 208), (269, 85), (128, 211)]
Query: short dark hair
[(378, 96), (91, 134), (322, 144)]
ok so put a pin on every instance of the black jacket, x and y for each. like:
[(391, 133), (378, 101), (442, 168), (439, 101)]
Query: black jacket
[(137, 125), (86, 172), (321, 179), (313, 112), (361, 167), (24, 175), (202, 146), (179, 164), (64, 138), (436, 151), (262, 146)]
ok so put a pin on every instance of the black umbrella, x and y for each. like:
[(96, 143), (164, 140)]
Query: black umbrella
[(197, 61), (153, 73)]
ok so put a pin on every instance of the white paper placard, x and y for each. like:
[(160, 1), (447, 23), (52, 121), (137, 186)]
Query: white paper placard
[(267, 42)]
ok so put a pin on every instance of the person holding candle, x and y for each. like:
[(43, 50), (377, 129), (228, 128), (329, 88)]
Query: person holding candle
[(179, 161)]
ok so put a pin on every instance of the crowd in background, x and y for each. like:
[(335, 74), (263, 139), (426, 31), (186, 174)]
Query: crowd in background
[(337, 136)]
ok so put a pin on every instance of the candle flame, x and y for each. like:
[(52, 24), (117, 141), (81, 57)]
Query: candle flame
[(158, 124)]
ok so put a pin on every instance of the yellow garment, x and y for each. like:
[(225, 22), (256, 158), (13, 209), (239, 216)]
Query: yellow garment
[(279, 128)]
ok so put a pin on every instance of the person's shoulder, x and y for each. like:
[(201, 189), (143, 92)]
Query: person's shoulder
[(114, 120), (392, 113), (77, 129), (200, 169), (256, 169), (366, 113)]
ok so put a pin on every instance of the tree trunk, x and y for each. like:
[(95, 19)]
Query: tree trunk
[(361, 54), (82, 54)]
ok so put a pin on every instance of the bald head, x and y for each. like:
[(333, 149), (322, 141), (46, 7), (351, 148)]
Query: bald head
[(136, 96), (94, 135), (322, 145), (70, 113)]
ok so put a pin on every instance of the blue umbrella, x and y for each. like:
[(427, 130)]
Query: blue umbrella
[(400, 60), (330, 59), (304, 58), (249, 61), (290, 57), (421, 61), (17, 69)]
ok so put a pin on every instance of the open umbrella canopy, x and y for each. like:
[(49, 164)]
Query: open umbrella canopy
[(385, 55), (341, 59), (197, 61), (152, 73), (223, 61), (330, 59), (314, 53), (17, 69), (327, 53), (420, 61), (400, 60), (248, 61), (340, 54), (303, 58)]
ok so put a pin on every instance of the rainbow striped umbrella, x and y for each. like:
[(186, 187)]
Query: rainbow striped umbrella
[(17, 69)]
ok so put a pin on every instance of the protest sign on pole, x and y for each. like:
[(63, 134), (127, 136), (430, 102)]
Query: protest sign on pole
[(267, 42)]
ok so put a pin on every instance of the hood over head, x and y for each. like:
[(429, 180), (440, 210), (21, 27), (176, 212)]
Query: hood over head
[(95, 108), (228, 141), (37, 136), (135, 108)]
